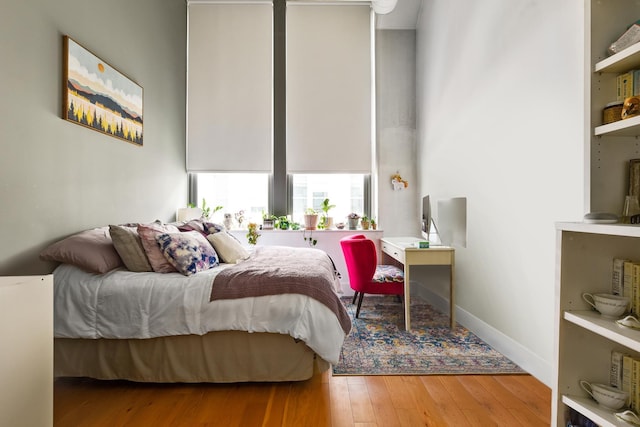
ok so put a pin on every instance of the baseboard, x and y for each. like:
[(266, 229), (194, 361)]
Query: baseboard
[(512, 349)]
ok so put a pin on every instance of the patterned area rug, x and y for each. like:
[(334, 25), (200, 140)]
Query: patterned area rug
[(379, 345)]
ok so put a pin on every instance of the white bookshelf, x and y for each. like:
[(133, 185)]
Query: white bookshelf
[(585, 339)]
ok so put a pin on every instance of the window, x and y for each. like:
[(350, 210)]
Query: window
[(346, 191), (235, 192), (327, 74), (249, 192)]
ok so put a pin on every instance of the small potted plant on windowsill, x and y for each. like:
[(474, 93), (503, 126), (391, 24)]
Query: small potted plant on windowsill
[(353, 218), (365, 222), (268, 221), (374, 224), (310, 219), (326, 222), (283, 223), (207, 213)]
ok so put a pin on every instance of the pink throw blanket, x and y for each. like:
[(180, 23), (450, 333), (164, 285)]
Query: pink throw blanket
[(272, 270)]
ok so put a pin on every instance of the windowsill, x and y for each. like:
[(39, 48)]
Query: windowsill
[(333, 230)]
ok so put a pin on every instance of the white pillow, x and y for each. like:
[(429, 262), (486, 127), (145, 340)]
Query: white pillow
[(228, 247)]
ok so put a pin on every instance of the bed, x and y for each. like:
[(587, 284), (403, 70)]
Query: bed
[(273, 315)]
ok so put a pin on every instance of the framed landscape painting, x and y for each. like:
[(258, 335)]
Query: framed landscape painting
[(99, 97)]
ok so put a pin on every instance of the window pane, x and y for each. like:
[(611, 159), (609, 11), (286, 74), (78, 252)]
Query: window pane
[(346, 191), (235, 192)]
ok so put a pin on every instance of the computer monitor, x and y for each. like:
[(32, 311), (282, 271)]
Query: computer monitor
[(429, 230), (426, 215)]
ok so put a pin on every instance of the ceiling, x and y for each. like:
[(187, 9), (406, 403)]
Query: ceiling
[(403, 17)]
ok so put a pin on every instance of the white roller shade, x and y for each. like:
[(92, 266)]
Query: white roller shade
[(229, 93), (328, 88)]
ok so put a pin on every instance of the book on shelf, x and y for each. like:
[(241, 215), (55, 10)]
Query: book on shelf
[(627, 280), (635, 301), (624, 83), (617, 278), (627, 375), (634, 394), (617, 358), (636, 82), (630, 37)]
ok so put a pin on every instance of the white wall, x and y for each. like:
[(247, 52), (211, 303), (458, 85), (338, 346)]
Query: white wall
[(500, 119), (56, 177)]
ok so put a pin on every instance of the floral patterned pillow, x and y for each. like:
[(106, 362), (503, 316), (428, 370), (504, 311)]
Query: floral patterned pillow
[(148, 234), (189, 252), (388, 273)]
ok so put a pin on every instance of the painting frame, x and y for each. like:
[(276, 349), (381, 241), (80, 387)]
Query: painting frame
[(99, 97)]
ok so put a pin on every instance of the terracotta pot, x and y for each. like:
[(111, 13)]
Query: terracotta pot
[(310, 221)]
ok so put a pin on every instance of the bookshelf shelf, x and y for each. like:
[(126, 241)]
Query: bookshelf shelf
[(596, 413), (618, 229), (622, 61), (626, 127), (606, 328)]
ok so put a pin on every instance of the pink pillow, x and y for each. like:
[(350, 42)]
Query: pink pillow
[(148, 233), (91, 250)]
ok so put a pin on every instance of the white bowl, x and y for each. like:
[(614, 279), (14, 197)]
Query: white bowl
[(605, 395), (609, 305)]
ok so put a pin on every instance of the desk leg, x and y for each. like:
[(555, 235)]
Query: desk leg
[(452, 293), (407, 299)]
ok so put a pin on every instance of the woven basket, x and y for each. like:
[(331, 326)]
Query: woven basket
[(612, 112)]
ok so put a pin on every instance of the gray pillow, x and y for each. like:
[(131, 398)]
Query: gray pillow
[(127, 242)]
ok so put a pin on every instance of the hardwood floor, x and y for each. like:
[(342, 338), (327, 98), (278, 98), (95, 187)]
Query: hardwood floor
[(325, 400)]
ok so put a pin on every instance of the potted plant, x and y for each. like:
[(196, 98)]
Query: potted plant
[(283, 223), (374, 224), (365, 222), (207, 213), (353, 220), (268, 221), (326, 221), (310, 219)]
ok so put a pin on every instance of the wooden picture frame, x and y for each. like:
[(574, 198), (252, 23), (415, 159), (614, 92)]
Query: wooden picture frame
[(634, 178), (97, 96)]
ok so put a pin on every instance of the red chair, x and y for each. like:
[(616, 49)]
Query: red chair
[(366, 276)]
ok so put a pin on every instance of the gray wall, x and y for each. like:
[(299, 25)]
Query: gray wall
[(398, 211), (56, 177)]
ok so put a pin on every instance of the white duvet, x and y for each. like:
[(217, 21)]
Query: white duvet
[(124, 304)]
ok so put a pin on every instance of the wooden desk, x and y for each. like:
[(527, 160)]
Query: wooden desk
[(402, 249)]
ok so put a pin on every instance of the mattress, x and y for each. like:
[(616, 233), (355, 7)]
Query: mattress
[(124, 305)]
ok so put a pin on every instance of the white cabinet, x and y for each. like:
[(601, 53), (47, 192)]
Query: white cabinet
[(584, 339), (26, 355)]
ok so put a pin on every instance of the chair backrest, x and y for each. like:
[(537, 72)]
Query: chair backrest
[(361, 257)]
